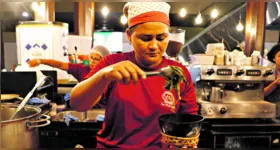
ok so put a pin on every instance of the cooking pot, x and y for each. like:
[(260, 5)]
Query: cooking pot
[(180, 124), (22, 131)]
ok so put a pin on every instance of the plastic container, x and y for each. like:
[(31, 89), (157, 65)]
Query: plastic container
[(202, 59)]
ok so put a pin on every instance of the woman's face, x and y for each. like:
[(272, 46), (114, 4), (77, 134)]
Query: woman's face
[(94, 59), (277, 59), (149, 41)]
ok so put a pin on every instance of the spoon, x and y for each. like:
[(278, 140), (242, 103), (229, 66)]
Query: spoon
[(166, 72), (24, 101)]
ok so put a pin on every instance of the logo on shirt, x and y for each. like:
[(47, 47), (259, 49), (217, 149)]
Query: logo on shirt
[(168, 99)]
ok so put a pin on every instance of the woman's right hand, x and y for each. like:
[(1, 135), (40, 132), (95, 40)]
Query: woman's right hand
[(277, 81), (124, 71), (34, 62)]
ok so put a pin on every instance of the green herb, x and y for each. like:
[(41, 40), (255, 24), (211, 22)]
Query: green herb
[(174, 81)]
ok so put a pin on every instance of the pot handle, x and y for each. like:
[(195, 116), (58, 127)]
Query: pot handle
[(46, 118)]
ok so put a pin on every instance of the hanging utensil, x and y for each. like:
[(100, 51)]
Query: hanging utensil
[(27, 97)]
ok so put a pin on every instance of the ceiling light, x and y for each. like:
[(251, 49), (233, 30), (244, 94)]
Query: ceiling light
[(214, 13), (35, 6), (25, 14), (183, 12), (239, 27), (198, 19), (105, 11), (123, 19)]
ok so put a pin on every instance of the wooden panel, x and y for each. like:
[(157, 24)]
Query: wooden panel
[(84, 18), (260, 36), (48, 12), (254, 28)]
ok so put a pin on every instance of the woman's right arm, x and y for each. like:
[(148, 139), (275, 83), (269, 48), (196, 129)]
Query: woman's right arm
[(271, 87), (88, 92), (49, 62)]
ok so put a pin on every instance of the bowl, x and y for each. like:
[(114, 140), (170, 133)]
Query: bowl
[(181, 124)]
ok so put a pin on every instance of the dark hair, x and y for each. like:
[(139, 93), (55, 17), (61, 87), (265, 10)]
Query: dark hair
[(131, 29), (273, 51)]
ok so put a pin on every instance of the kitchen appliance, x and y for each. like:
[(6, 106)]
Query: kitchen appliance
[(234, 92), (21, 132), (231, 99)]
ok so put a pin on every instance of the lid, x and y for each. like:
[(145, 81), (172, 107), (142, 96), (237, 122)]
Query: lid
[(7, 110)]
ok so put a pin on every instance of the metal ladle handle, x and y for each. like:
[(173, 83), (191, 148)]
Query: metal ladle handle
[(152, 73), (27, 97)]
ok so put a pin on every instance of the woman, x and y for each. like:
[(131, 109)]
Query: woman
[(135, 101), (272, 90), (77, 70)]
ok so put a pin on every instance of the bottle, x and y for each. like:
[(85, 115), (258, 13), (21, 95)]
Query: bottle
[(227, 60)]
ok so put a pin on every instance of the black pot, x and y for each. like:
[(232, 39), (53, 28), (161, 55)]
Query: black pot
[(180, 124)]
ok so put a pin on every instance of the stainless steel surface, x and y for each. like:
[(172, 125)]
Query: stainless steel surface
[(64, 90), (42, 118), (236, 78), (273, 12), (88, 116), (16, 133), (238, 109), (234, 92)]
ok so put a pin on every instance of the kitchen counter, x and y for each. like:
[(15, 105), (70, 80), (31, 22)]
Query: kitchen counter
[(67, 83), (213, 134), (65, 87), (61, 135)]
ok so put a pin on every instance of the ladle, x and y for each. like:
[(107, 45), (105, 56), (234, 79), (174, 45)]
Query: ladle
[(166, 72), (24, 101)]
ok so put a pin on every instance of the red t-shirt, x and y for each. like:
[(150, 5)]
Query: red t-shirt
[(132, 111), (78, 71)]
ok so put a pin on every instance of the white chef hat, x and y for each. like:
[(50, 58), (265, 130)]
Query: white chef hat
[(141, 12), (101, 50)]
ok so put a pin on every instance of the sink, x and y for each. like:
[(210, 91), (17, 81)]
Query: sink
[(88, 116)]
